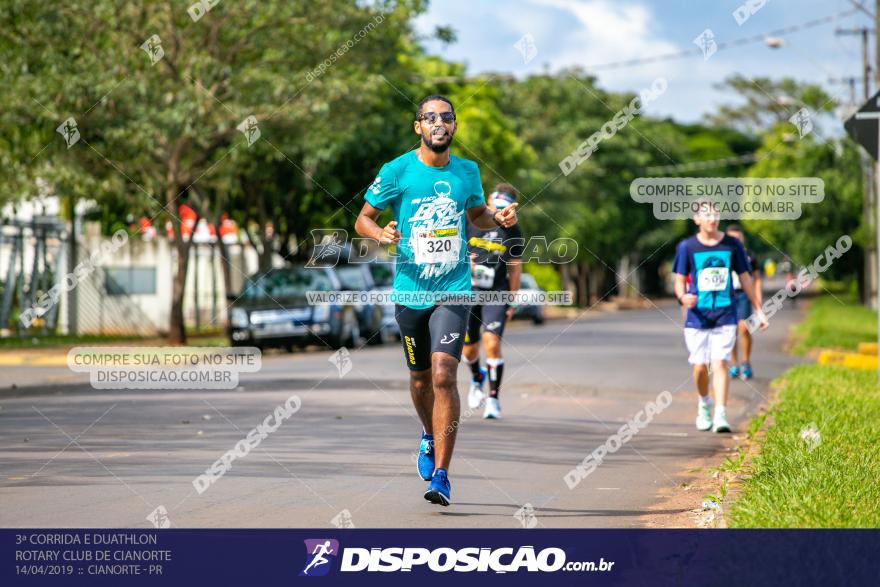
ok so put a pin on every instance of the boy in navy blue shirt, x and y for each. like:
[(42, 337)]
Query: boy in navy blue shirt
[(710, 258)]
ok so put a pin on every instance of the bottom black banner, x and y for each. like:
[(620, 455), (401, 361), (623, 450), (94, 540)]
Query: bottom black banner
[(478, 557)]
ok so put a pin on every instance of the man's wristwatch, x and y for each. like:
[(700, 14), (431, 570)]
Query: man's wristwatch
[(495, 218)]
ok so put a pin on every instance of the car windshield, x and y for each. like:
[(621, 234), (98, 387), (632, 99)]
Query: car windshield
[(382, 273), (286, 283), (528, 282), (351, 277)]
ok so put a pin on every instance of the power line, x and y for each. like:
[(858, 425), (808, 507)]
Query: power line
[(724, 44), (862, 8)]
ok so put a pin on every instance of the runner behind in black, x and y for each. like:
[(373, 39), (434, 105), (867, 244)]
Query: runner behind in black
[(495, 266)]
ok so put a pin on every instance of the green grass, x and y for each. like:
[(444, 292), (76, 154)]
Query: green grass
[(204, 339), (834, 484), (830, 324), (51, 340)]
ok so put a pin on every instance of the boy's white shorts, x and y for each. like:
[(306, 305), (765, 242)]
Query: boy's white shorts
[(710, 344)]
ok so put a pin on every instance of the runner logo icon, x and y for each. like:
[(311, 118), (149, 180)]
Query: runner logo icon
[(449, 338), (320, 552)]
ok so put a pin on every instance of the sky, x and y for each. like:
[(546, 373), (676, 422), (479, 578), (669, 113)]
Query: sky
[(594, 32)]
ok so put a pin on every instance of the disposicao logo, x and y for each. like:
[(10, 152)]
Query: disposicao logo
[(320, 552)]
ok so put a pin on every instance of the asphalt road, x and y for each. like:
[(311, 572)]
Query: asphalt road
[(75, 456)]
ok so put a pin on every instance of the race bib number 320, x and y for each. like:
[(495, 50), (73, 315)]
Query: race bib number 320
[(712, 278), (436, 246)]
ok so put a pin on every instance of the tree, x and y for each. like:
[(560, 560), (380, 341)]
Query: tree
[(821, 224), (554, 114), (766, 102), (164, 100), (766, 108)]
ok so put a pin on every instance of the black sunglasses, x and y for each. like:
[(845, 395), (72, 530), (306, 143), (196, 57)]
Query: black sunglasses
[(431, 117)]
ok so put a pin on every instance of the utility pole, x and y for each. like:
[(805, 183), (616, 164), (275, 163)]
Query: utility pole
[(869, 172), (850, 81)]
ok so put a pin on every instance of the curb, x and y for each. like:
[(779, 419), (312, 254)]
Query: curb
[(868, 348), (849, 360), (53, 360)]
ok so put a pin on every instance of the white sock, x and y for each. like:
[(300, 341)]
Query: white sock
[(705, 399), (720, 411)]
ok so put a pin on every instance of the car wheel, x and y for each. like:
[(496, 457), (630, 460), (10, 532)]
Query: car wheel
[(354, 332), (348, 331), (538, 318), (375, 335)]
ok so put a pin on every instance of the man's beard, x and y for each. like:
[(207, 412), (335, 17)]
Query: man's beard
[(428, 140)]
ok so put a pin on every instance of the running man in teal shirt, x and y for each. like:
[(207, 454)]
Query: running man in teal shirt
[(429, 191)]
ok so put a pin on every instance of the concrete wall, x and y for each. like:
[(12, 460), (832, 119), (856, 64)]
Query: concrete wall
[(148, 314), (135, 314)]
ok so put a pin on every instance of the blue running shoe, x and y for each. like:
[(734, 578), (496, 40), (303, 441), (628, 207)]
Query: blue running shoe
[(425, 461), (734, 371), (746, 372), (438, 489)]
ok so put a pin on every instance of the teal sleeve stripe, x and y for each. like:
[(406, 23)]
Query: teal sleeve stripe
[(371, 200)]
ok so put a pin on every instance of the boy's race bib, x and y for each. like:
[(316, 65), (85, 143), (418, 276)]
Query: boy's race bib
[(712, 279)]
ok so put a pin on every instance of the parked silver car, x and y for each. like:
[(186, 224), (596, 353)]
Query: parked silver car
[(273, 311)]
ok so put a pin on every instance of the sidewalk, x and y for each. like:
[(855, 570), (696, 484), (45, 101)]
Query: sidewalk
[(55, 355)]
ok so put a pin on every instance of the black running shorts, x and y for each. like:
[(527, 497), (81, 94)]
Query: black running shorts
[(491, 318), (438, 329)]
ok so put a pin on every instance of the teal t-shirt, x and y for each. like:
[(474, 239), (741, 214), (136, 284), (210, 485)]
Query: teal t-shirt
[(429, 205)]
